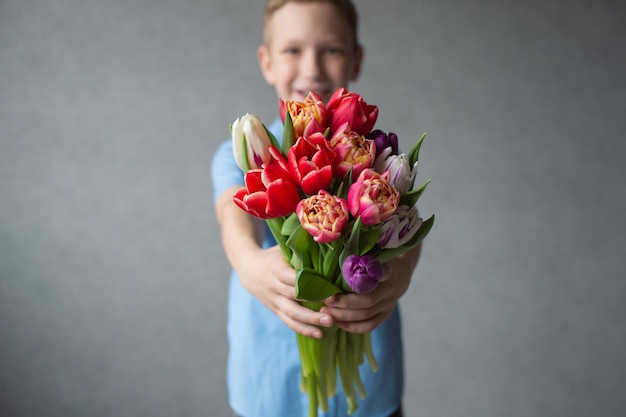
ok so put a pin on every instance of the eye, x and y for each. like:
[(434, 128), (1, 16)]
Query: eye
[(292, 50), (334, 50)]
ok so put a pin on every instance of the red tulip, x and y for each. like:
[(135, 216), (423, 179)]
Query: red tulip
[(269, 192), (345, 106), (311, 163)]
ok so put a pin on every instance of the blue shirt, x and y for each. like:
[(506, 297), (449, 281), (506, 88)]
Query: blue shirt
[(263, 370)]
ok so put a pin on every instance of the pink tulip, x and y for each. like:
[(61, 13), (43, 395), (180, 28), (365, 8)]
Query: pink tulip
[(346, 107), (372, 197), (323, 215), (308, 116), (353, 151)]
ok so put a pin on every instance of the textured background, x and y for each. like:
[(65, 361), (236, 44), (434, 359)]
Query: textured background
[(112, 279)]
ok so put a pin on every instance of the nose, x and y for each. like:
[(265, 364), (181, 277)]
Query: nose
[(312, 65)]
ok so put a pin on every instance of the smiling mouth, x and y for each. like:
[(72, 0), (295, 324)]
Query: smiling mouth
[(323, 92)]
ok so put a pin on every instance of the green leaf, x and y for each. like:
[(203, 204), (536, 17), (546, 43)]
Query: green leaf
[(367, 240), (288, 139), (244, 154), (344, 185), (312, 286), (300, 242), (290, 225), (273, 139), (414, 153), (331, 259), (410, 198), (352, 244)]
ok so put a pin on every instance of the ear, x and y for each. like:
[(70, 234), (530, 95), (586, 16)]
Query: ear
[(263, 55), (356, 66)]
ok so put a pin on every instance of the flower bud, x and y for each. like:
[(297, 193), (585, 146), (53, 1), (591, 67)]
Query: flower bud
[(384, 141), (401, 176), (362, 273), (347, 107), (249, 131)]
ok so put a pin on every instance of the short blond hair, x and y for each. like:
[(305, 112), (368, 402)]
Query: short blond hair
[(345, 7)]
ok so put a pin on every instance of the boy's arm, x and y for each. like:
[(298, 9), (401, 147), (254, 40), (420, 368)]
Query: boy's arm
[(362, 313), (263, 272)]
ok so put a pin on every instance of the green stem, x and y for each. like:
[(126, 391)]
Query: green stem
[(312, 396), (275, 225), (345, 371), (369, 353)]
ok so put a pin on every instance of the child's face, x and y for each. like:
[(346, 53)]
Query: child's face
[(309, 47)]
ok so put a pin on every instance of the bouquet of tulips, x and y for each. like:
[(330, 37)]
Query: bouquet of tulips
[(339, 199)]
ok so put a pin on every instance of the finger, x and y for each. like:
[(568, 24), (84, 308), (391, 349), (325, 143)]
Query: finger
[(286, 290), (387, 272), (355, 301), (299, 327), (285, 274), (350, 315), (364, 326), (300, 314)]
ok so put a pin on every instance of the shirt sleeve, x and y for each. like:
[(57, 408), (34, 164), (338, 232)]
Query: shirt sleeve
[(225, 172)]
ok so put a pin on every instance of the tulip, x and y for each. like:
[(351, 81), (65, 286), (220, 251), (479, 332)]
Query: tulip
[(269, 192), (401, 175), (400, 227), (323, 215), (362, 273), (353, 151), (249, 131), (346, 107), (372, 197), (307, 117), (311, 163), (384, 141)]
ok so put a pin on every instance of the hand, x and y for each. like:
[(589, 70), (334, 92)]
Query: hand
[(264, 272), (268, 277), (362, 313)]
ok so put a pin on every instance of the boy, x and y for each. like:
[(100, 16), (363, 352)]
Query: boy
[(308, 45)]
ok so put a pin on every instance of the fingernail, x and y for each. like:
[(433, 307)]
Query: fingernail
[(325, 321)]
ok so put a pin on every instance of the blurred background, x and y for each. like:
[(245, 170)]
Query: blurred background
[(112, 278)]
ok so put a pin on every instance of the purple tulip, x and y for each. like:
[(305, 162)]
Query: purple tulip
[(362, 273), (384, 141)]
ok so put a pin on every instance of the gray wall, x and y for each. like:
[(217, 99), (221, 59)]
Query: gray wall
[(112, 279)]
